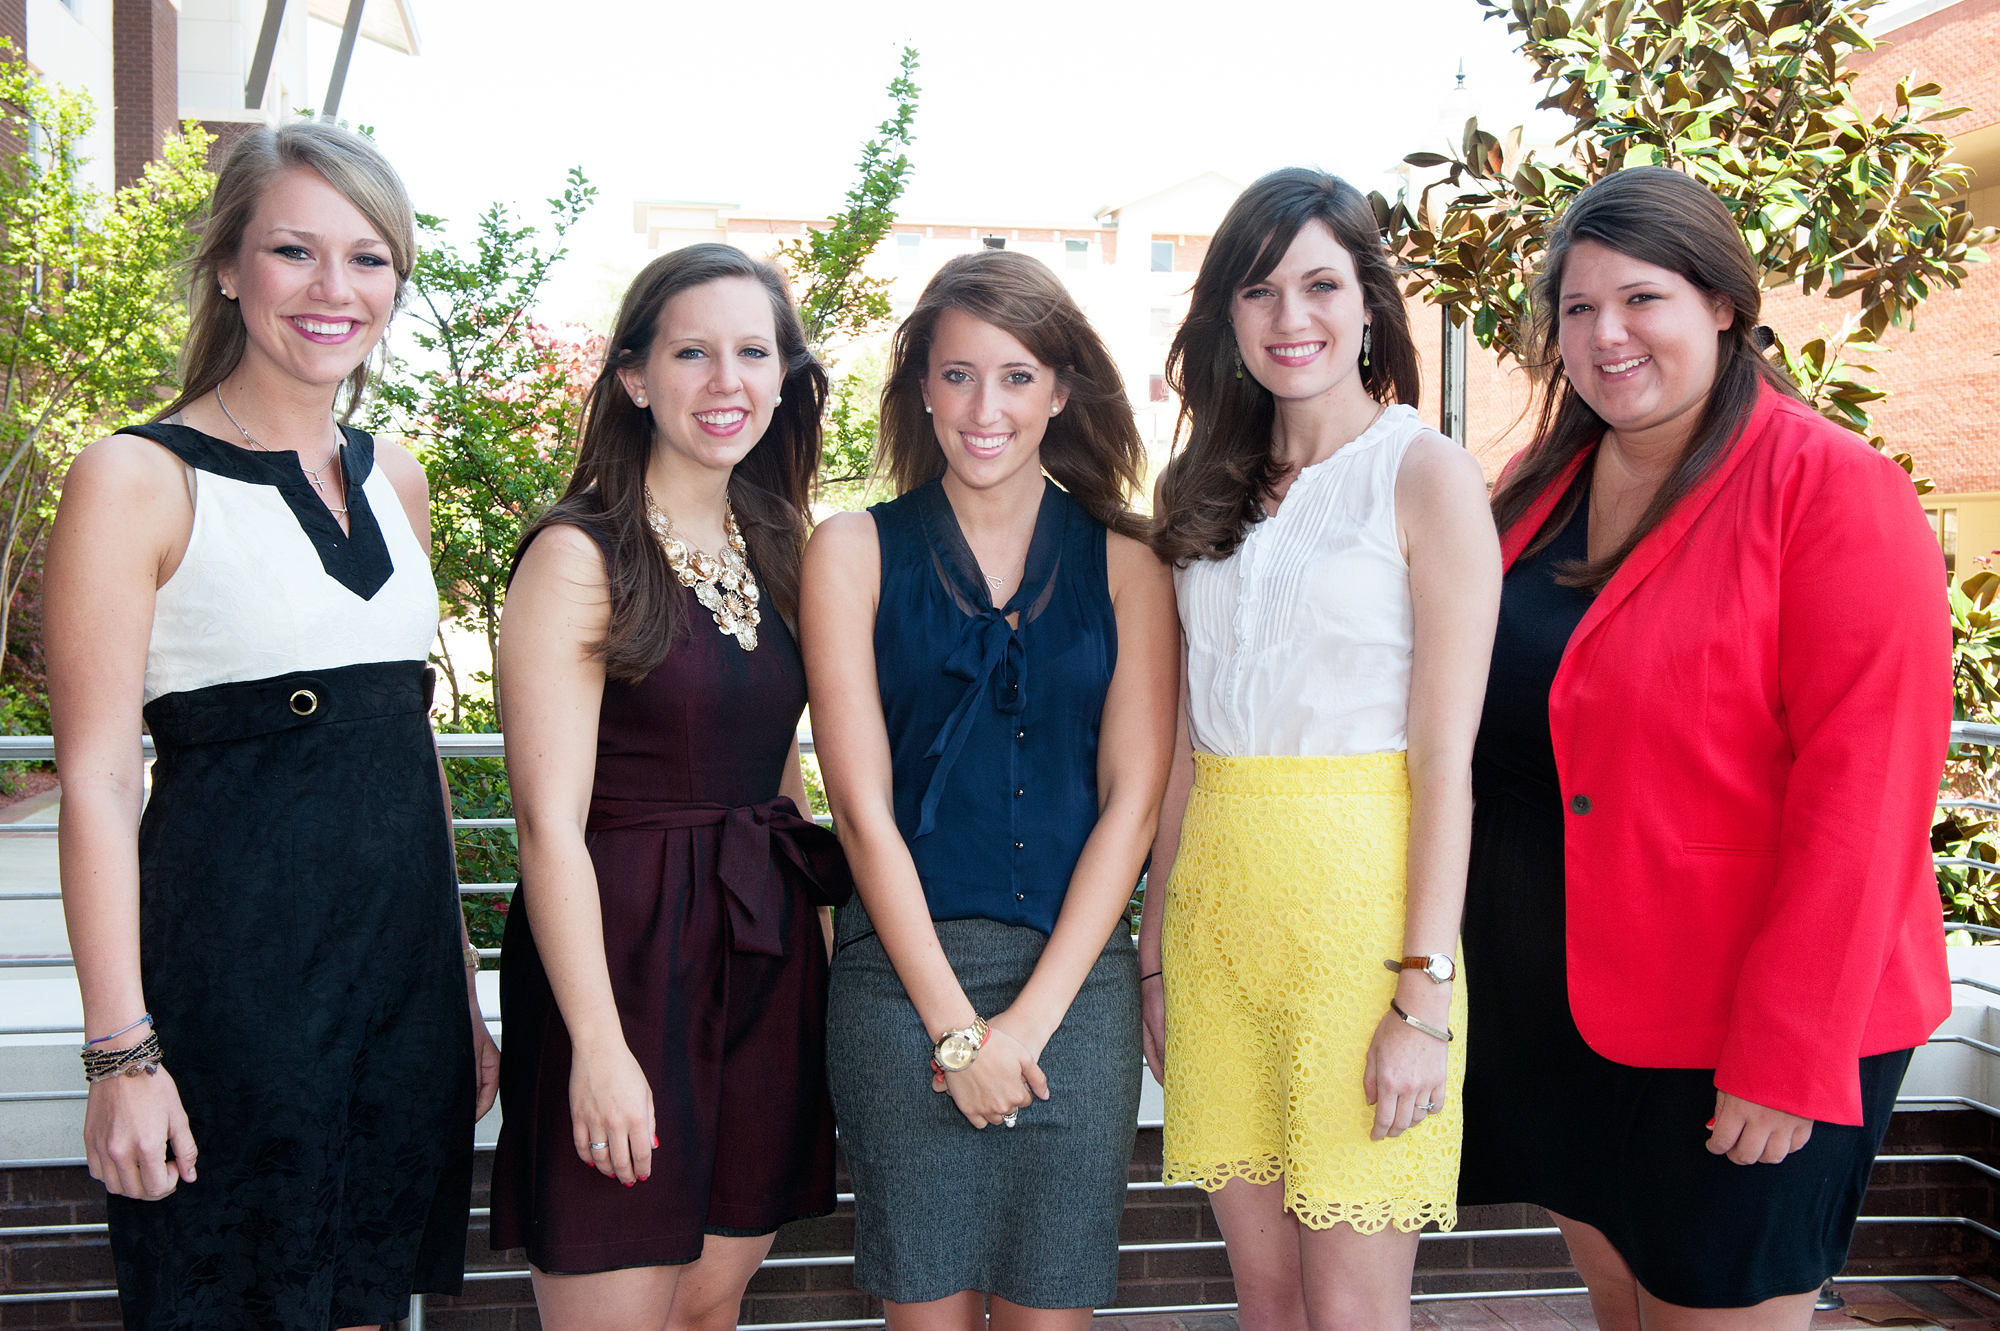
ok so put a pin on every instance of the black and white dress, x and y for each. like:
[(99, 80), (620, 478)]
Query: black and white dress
[(298, 914)]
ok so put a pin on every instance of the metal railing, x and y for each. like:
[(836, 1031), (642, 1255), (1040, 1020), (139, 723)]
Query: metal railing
[(42, 749)]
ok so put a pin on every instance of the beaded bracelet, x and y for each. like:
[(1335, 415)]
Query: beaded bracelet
[(144, 1056)]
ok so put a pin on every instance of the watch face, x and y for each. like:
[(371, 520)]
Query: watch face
[(1441, 968), (955, 1051)]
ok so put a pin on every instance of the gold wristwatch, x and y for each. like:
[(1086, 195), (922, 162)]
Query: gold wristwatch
[(955, 1050)]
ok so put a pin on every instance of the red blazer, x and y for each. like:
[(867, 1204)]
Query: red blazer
[(1750, 723)]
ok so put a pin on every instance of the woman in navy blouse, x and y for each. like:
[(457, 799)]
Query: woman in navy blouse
[(992, 665)]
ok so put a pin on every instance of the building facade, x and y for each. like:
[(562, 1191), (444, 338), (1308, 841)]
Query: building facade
[(150, 65), (1130, 267)]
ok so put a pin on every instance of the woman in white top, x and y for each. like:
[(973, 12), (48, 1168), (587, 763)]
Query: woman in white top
[(1338, 579), (274, 974)]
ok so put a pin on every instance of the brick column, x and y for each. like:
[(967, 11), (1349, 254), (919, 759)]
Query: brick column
[(145, 50)]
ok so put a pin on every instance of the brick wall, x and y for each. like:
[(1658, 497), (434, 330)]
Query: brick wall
[(1151, 1279), (1957, 47), (145, 65), (1942, 373), (226, 133), (14, 27)]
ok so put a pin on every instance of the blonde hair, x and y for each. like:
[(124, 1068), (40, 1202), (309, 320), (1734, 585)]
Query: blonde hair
[(343, 159)]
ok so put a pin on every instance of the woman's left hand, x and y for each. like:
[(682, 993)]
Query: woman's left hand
[(1405, 1071), (485, 1054), (1750, 1133)]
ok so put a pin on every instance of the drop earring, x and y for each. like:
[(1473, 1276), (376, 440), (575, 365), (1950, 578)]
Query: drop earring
[(1367, 336), (1238, 353)]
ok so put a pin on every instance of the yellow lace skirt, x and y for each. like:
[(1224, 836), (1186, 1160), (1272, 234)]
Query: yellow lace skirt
[(1286, 897)]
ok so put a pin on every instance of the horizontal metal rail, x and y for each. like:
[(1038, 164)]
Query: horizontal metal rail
[(42, 748), (1980, 1045), (1965, 1100)]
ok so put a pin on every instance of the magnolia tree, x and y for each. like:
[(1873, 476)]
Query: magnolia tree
[(1754, 102), (1835, 199), (91, 321)]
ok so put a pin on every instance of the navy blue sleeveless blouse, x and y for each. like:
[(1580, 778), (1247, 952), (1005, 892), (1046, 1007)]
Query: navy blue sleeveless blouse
[(992, 729)]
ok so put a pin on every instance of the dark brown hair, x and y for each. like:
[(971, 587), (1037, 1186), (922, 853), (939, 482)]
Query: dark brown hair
[(1663, 218), (1092, 448), (1213, 490), (770, 489)]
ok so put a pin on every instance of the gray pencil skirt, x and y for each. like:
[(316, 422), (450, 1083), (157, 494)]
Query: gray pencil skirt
[(1028, 1213)]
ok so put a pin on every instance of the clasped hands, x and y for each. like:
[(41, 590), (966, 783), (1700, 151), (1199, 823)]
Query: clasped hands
[(1003, 1079)]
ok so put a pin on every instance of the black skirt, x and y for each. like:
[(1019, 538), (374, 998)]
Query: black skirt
[(1550, 1121), (300, 950)]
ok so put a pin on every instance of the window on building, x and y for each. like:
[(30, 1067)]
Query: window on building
[(1944, 526), (1156, 388), (1163, 256), (907, 245), (1076, 253), (1160, 322), (994, 242)]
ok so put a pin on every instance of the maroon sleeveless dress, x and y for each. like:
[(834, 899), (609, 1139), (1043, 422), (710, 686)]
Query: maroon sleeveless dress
[(709, 882)]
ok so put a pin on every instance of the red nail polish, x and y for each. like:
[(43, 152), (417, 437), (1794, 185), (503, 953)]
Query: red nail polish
[(1710, 1125), (628, 1185), (656, 1141)]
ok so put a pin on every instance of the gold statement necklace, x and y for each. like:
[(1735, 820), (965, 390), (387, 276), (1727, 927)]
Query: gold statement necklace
[(723, 583)]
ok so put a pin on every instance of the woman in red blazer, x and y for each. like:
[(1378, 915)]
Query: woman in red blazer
[(1701, 910)]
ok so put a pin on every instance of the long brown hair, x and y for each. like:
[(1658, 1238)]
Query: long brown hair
[(345, 160), (770, 489), (1092, 447), (1663, 218), (1213, 490)]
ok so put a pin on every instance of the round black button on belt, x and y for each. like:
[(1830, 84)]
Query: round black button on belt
[(1579, 803), (304, 702)]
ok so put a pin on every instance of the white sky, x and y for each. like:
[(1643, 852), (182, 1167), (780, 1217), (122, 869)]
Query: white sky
[(1029, 111)]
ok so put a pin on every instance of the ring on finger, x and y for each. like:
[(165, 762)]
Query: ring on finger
[(600, 1146), (1430, 1108)]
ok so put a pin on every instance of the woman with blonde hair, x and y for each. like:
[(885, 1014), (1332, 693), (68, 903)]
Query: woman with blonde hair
[(992, 666), (275, 976)]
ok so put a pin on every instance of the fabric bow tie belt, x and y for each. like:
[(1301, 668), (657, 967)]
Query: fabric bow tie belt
[(991, 659), (756, 840)]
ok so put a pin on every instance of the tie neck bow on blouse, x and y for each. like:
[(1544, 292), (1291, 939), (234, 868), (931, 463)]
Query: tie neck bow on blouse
[(990, 656)]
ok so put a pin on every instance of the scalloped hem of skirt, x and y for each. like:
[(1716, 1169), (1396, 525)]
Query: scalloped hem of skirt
[(1408, 1214)]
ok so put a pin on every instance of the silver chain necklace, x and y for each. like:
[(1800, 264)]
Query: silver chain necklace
[(313, 474)]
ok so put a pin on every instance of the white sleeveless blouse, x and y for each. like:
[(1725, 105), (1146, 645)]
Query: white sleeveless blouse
[(268, 586), (1299, 643)]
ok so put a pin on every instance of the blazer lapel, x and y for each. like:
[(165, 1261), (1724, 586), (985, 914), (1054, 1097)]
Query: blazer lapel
[(1665, 538), (1515, 539)]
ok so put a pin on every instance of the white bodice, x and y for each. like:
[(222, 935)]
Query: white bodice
[(255, 596), (1299, 643)]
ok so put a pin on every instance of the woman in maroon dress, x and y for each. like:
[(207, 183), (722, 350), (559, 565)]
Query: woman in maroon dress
[(664, 984)]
